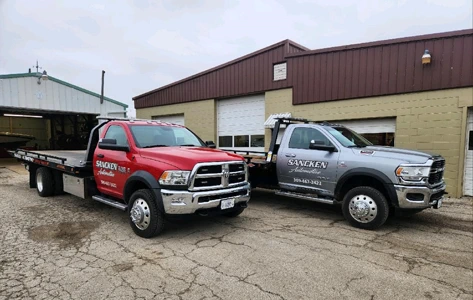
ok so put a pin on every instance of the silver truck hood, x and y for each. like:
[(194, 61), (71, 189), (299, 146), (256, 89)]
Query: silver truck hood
[(410, 156)]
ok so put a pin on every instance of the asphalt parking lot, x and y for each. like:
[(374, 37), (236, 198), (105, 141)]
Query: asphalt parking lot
[(279, 248)]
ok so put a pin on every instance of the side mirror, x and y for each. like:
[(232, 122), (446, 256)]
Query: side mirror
[(210, 144), (319, 145), (111, 144)]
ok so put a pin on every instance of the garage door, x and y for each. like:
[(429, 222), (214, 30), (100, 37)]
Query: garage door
[(378, 131), (240, 123), (175, 119), (468, 178)]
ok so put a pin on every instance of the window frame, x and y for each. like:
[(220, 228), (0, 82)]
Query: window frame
[(470, 141), (330, 143), (124, 132)]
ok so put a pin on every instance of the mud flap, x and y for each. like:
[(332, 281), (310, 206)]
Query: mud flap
[(438, 204)]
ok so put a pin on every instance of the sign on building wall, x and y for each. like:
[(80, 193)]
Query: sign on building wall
[(280, 71)]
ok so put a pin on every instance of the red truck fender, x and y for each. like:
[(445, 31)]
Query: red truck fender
[(139, 180)]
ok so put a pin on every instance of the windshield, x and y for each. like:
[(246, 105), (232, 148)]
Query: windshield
[(148, 136), (347, 137)]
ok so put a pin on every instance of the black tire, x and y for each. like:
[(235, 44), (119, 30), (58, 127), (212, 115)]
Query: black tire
[(148, 208), (234, 213), (44, 182), (376, 207)]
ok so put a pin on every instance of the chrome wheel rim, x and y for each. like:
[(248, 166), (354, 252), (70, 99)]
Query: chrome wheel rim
[(140, 214), (39, 182), (363, 208)]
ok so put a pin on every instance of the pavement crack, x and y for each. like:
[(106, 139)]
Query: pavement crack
[(349, 282)]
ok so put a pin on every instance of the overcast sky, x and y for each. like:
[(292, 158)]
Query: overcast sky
[(144, 44)]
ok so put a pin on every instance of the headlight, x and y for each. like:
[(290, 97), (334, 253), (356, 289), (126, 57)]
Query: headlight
[(174, 178), (411, 173)]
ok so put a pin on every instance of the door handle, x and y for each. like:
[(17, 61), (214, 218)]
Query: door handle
[(290, 155), (100, 156)]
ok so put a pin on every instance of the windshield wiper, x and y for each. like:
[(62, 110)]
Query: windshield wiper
[(157, 145), (188, 145)]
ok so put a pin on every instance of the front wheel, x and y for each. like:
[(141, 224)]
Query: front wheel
[(365, 207), (146, 219)]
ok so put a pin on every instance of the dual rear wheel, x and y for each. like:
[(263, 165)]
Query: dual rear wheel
[(365, 207), (147, 219)]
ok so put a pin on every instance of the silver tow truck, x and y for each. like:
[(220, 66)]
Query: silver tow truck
[(329, 163)]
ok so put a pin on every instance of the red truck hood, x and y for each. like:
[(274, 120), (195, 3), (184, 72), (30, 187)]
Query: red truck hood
[(185, 158)]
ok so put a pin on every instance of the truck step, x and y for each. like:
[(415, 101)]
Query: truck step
[(111, 202), (304, 196)]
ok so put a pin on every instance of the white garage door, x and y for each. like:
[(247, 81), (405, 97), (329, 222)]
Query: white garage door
[(240, 123), (468, 178), (175, 119), (371, 125)]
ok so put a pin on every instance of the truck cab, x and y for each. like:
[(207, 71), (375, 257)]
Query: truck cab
[(330, 163)]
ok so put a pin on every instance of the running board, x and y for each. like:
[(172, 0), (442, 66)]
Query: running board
[(111, 202), (305, 197)]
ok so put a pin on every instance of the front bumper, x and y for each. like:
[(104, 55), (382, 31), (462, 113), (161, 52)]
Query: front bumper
[(412, 197), (184, 202)]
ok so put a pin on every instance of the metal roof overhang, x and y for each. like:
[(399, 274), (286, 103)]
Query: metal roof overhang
[(271, 120)]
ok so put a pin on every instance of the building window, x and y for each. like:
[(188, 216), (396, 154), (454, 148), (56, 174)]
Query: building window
[(225, 141), (241, 141), (257, 141), (280, 71), (380, 139), (247, 141)]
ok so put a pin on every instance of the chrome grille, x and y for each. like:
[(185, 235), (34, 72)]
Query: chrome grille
[(207, 176), (436, 171)]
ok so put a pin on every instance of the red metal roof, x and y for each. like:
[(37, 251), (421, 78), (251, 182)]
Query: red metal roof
[(361, 70), (417, 38), (289, 46)]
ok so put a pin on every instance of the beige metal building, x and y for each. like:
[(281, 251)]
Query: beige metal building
[(416, 90)]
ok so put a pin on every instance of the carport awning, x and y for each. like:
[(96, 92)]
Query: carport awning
[(271, 120)]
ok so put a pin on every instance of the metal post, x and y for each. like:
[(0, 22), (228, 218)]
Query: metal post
[(272, 145), (101, 96)]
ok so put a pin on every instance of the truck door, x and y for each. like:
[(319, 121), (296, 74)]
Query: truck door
[(113, 167), (303, 169)]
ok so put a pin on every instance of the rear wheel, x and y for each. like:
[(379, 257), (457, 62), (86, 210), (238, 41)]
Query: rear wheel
[(145, 218), (44, 182), (365, 207)]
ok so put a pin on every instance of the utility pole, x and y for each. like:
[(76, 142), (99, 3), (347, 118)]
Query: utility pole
[(101, 96)]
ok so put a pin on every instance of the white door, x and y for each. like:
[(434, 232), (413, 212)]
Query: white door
[(370, 125), (175, 119), (468, 178), (240, 123)]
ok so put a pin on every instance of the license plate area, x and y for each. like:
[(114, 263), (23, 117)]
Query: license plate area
[(226, 204)]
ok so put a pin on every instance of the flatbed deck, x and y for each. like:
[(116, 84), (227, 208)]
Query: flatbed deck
[(73, 158), (70, 161)]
